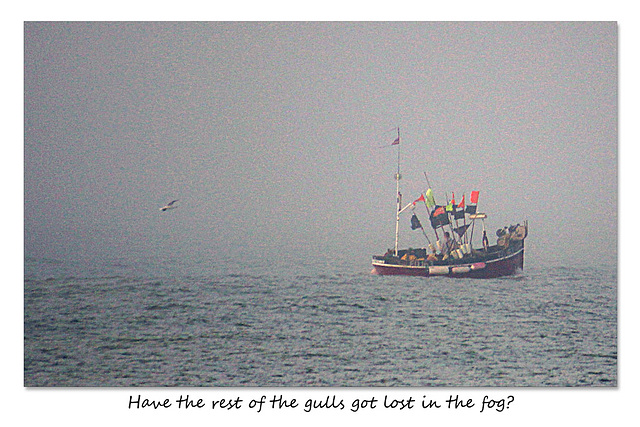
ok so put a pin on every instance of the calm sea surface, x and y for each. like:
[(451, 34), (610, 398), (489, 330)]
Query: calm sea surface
[(325, 323)]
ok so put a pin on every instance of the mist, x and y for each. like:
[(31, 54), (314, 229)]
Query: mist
[(276, 136)]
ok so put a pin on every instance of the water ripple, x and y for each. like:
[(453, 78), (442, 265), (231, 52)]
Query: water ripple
[(322, 328)]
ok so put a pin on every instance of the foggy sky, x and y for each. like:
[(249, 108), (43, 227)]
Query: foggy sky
[(276, 136)]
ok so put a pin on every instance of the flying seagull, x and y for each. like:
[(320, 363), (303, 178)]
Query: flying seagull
[(170, 205)]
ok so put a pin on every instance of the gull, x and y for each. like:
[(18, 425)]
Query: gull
[(170, 205)]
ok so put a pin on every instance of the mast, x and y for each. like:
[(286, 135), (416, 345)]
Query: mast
[(398, 201)]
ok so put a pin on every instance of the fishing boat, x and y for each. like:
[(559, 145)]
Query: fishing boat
[(453, 254)]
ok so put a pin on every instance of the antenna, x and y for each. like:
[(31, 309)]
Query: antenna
[(398, 201)]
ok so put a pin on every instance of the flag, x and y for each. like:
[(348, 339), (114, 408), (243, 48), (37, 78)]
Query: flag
[(431, 201), (415, 222), (434, 221), (438, 211), (419, 199), (462, 229), (439, 217), (461, 205), (459, 211), (396, 141), (474, 199), (444, 219)]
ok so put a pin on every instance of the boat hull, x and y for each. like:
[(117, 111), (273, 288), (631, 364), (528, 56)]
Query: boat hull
[(506, 265)]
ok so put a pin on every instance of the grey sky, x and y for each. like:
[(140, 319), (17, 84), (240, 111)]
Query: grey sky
[(270, 134)]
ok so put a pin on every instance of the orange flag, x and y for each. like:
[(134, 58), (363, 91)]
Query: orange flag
[(461, 205)]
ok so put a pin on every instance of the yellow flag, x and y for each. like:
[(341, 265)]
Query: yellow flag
[(431, 201)]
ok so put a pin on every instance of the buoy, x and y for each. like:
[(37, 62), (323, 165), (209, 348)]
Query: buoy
[(438, 270), (461, 270)]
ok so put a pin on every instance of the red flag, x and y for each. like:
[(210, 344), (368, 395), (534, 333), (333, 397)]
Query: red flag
[(474, 196), (461, 205), (396, 142), (420, 199), (453, 199)]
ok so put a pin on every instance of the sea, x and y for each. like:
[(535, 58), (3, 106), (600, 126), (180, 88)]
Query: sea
[(320, 322)]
